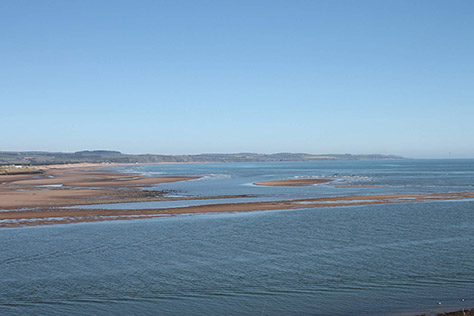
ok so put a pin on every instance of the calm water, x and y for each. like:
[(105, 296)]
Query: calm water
[(366, 260)]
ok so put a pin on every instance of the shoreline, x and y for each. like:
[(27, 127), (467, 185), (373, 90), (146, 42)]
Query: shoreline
[(85, 184), (44, 199), (58, 215), (79, 184)]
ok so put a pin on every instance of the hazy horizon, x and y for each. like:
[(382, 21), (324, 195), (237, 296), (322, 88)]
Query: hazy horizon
[(189, 77)]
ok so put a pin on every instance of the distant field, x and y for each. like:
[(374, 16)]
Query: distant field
[(10, 170)]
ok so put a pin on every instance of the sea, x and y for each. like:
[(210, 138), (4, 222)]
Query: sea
[(388, 259)]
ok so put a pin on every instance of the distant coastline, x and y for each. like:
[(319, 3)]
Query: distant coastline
[(108, 156)]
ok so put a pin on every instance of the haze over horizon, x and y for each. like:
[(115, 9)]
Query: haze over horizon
[(189, 77)]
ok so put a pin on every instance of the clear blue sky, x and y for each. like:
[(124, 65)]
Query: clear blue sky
[(195, 76)]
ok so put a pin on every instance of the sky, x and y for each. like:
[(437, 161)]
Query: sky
[(187, 77)]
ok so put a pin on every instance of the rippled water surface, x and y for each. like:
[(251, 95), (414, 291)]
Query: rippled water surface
[(365, 260)]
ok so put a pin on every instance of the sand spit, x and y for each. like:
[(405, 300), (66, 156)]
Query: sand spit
[(45, 216), (77, 185), (292, 182)]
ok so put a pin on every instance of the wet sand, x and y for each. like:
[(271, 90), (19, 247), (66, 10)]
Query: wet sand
[(77, 185), (30, 200), (40, 199), (44, 216), (292, 182)]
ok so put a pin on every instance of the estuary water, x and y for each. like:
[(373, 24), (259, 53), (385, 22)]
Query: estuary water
[(392, 259)]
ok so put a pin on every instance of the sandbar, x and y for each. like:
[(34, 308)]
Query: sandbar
[(52, 215), (41, 199)]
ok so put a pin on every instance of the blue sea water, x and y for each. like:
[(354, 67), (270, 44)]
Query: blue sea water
[(391, 259)]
